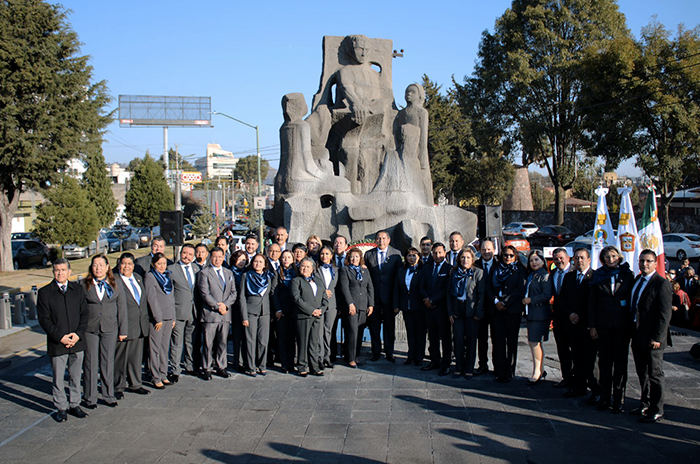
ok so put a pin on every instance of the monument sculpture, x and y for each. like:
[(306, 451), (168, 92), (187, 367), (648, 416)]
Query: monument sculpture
[(357, 164)]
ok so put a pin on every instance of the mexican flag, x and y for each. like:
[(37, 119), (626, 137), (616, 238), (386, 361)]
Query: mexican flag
[(603, 233), (650, 236), (627, 237)]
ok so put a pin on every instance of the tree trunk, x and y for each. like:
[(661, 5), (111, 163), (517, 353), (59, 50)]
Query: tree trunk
[(9, 202), (559, 204), (663, 205)]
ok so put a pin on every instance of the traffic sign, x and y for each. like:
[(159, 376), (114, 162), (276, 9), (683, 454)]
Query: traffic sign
[(191, 177)]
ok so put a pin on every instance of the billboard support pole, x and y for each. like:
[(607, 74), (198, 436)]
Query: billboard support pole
[(165, 156)]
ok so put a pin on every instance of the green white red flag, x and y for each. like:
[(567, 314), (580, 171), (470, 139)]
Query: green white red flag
[(650, 236)]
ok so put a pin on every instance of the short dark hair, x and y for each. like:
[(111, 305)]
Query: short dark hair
[(559, 250), (157, 238), (125, 255), (157, 257), (426, 238), (219, 249), (438, 245), (200, 245), (60, 261), (648, 252), (340, 236), (585, 250), (381, 232), (220, 238), (299, 246), (188, 245), (456, 232), (253, 236)]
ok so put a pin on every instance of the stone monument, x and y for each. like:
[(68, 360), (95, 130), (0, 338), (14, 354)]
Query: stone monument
[(357, 165)]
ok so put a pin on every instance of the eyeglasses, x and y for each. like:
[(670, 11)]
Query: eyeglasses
[(510, 255)]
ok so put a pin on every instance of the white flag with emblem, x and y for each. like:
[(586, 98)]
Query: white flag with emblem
[(627, 239), (603, 234)]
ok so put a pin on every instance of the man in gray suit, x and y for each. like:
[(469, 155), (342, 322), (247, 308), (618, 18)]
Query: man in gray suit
[(184, 275), (143, 264), (217, 289)]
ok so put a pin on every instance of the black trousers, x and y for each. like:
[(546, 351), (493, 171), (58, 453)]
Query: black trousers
[(237, 339), (439, 333), (564, 336), (197, 346), (334, 337), (353, 340), (382, 314), (416, 331), (272, 353), (584, 352), (483, 340), (465, 332), (614, 346), (286, 336), (506, 328), (310, 340), (650, 370)]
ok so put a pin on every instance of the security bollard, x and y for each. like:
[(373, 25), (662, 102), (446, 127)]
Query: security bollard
[(31, 301), (5, 312), (18, 315)]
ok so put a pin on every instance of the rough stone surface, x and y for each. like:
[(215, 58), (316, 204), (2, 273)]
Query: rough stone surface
[(356, 164)]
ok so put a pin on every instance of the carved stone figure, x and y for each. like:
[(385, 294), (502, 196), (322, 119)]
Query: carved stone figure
[(357, 165)]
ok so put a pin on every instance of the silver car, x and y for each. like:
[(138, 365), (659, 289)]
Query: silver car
[(75, 251)]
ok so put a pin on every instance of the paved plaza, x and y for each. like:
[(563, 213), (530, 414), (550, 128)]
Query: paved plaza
[(381, 412)]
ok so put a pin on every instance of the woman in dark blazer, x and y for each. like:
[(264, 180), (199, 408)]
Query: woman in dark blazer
[(129, 357), (465, 308), (611, 323), (161, 309), (407, 300), (327, 272), (254, 298), (358, 293), (310, 301), (107, 323), (239, 265), (538, 312), (509, 290), (283, 305)]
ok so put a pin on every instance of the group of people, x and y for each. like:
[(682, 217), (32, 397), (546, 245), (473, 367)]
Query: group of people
[(285, 307)]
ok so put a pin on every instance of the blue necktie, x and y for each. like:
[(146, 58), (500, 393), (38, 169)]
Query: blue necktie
[(137, 294), (223, 282), (189, 277)]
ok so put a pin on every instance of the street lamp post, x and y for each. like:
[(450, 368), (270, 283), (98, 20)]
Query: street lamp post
[(257, 146)]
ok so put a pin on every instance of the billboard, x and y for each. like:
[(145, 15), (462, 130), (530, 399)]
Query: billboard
[(159, 111)]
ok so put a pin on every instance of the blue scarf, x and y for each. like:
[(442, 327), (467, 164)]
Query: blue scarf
[(329, 266), (257, 283), (287, 275), (164, 280), (603, 273), (104, 285), (309, 279), (237, 273), (459, 280), (503, 271), (358, 272)]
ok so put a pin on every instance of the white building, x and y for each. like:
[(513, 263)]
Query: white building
[(218, 162), (118, 174)]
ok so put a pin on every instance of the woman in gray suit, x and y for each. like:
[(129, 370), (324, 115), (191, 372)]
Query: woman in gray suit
[(358, 293), (254, 298), (465, 307), (107, 322), (538, 312), (161, 308), (328, 274), (310, 303)]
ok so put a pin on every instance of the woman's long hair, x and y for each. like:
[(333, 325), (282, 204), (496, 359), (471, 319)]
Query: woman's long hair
[(90, 279)]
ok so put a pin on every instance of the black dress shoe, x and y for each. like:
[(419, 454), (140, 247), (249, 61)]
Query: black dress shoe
[(251, 373), (502, 379), (407, 362), (206, 376), (562, 384), (89, 406), (77, 412), (417, 363), (192, 373), (481, 370), (430, 367), (390, 358), (173, 378), (119, 395), (593, 400), (640, 411), (652, 418), (112, 404), (328, 364), (140, 391), (375, 357), (61, 416), (574, 393), (222, 373), (444, 371), (353, 366), (618, 408)]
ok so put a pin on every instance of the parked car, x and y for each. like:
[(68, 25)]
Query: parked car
[(551, 236), (122, 240), (517, 240), (682, 246), (27, 253), (75, 251), (577, 245), (525, 228), (187, 231), (588, 236), (144, 234), (25, 236)]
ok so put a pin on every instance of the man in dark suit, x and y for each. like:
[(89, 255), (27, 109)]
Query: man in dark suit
[(426, 250), (201, 255), (281, 236), (184, 276), (217, 289), (456, 245), (63, 314), (340, 248), (143, 264), (563, 328), (689, 284), (487, 263), (222, 242), (383, 262), (573, 319), (651, 308), (129, 353), (433, 291)]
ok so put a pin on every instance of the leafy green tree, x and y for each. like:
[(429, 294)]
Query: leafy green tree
[(50, 108), (99, 188), (531, 68), (134, 164), (176, 160), (247, 169), (485, 181), (542, 197), (148, 194), (204, 223), (67, 215)]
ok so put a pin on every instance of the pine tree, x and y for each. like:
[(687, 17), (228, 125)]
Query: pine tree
[(148, 194), (99, 188)]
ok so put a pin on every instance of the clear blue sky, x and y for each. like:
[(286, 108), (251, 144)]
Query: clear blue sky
[(247, 55)]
